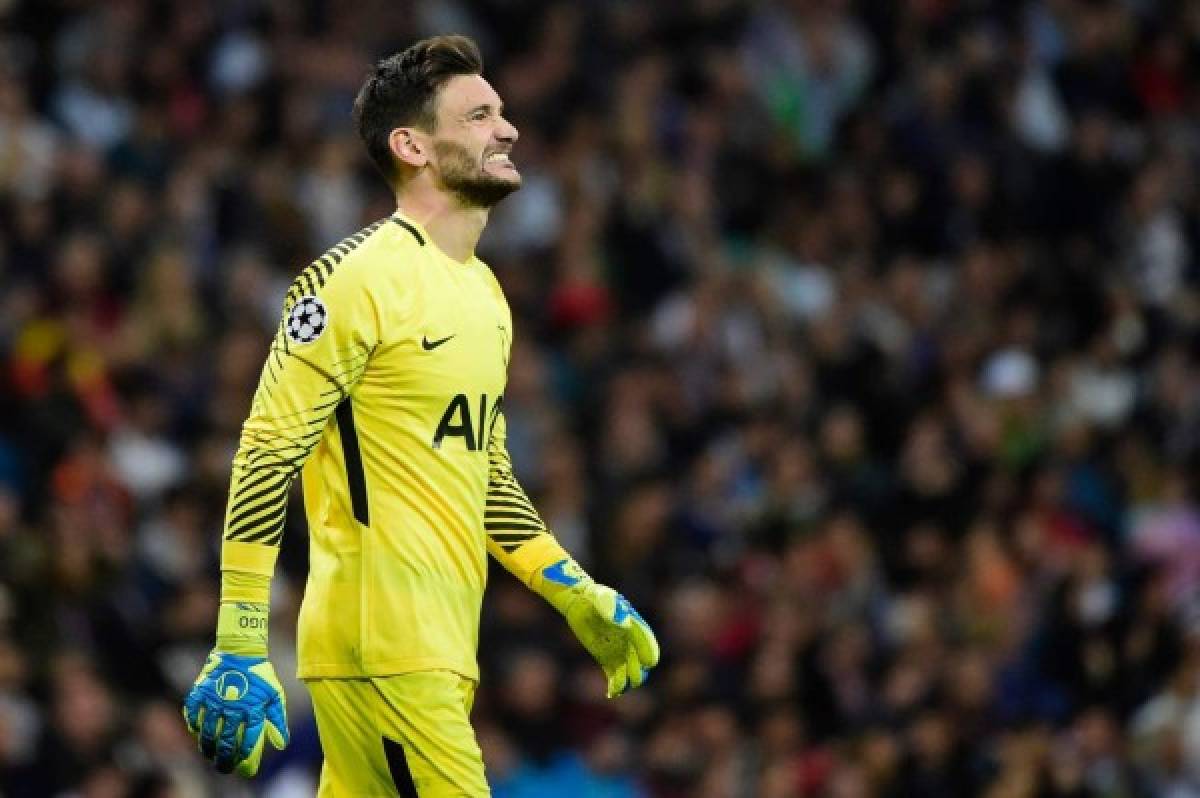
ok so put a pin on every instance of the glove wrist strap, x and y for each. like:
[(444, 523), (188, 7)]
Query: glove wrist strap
[(242, 628), (561, 583)]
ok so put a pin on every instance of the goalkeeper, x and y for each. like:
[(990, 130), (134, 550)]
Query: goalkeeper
[(383, 388)]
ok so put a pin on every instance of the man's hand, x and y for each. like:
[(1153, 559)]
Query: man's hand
[(608, 626), (235, 705)]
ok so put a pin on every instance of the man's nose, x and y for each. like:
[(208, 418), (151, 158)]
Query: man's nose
[(507, 131)]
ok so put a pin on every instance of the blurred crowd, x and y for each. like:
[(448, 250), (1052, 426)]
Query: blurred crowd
[(858, 343)]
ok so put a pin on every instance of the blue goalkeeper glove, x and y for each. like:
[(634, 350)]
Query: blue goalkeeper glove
[(606, 624), (237, 702)]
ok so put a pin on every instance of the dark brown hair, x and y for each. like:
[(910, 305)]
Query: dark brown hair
[(402, 89)]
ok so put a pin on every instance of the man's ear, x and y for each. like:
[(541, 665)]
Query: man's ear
[(409, 146)]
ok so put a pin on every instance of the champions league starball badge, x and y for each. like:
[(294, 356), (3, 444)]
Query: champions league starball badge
[(307, 320)]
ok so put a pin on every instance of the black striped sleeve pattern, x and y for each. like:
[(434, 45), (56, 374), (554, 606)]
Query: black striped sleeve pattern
[(314, 276), (270, 456), (273, 448), (509, 517)]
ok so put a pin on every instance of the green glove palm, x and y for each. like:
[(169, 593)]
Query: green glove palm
[(606, 624)]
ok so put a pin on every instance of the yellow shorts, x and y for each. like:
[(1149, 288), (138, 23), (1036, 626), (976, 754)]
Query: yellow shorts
[(407, 735)]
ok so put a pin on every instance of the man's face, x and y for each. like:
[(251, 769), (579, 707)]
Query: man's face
[(472, 142)]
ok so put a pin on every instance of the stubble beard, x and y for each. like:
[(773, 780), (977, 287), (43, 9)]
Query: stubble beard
[(463, 176)]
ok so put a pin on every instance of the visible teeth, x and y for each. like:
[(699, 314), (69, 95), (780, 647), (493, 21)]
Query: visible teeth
[(498, 156)]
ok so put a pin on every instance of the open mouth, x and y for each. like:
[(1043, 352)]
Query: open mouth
[(500, 159)]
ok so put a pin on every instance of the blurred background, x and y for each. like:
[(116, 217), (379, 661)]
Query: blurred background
[(857, 344)]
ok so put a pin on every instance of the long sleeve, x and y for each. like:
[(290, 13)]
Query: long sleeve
[(516, 535), (609, 628), (328, 330)]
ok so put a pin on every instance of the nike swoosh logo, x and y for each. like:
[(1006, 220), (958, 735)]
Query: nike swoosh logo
[(429, 346)]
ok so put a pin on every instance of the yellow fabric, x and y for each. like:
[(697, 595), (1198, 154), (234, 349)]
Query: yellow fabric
[(426, 713), (407, 371), (245, 587), (527, 562), (249, 558)]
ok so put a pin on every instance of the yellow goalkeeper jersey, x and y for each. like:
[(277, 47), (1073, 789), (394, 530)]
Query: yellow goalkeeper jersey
[(383, 388)]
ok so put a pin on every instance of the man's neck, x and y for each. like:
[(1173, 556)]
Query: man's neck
[(454, 229)]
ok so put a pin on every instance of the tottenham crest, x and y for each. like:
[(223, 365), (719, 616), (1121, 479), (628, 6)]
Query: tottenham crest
[(307, 320)]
